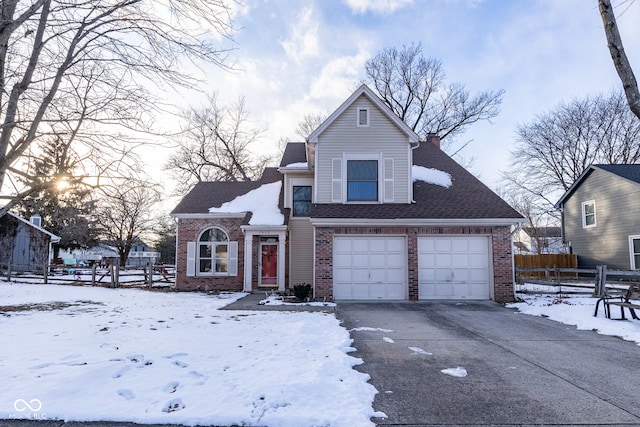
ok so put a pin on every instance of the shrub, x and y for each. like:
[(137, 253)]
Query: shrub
[(302, 291)]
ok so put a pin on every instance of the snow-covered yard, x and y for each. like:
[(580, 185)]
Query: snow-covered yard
[(578, 311), (88, 353)]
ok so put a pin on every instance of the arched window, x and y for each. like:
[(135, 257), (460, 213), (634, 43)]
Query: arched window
[(213, 252)]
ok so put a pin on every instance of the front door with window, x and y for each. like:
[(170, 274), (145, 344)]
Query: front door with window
[(268, 264)]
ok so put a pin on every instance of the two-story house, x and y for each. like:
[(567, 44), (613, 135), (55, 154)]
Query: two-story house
[(601, 219), (363, 210)]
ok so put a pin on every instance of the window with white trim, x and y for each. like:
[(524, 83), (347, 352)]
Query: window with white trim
[(589, 214), (363, 117), (213, 252), (362, 180), (634, 251)]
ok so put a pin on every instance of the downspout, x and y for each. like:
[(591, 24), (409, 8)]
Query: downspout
[(513, 259), (417, 144)]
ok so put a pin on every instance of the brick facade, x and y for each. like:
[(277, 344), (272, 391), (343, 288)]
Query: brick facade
[(188, 231), (503, 288)]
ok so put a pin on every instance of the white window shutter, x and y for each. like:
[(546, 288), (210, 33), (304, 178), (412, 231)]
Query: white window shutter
[(388, 180), (191, 259), (336, 180), (233, 258)]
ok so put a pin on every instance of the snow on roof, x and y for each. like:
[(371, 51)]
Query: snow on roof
[(262, 202), (298, 165), (431, 176)]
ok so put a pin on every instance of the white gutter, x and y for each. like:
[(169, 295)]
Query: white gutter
[(210, 215), (330, 222)]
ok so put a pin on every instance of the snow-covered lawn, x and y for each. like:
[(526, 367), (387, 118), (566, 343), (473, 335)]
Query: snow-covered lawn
[(578, 311), (88, 353)]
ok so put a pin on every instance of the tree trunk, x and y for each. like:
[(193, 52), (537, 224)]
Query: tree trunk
[(620, 60)]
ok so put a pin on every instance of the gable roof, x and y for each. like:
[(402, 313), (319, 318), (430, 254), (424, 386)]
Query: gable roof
[(630, 172), (364, 90), (294, 152), (205, 195), (466, 199), (54, 238)]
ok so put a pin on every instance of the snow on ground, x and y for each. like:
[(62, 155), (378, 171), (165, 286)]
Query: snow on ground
[(458, 372), (274, 299), (578, 310), (418, 350), (89, 353)]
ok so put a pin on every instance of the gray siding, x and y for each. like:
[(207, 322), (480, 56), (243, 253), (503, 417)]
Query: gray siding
[(301, 251), (21, 245), (292, 179), (617, 218), (381, 136)]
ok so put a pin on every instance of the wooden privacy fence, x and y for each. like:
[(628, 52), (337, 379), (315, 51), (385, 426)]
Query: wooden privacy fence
[(576, 280), (546, 261), (111, 276)]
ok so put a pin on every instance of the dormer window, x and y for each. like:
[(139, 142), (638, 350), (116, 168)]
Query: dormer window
[(363, 117)]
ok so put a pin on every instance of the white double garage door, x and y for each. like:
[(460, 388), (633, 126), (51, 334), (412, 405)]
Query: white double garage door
[(375, 267)]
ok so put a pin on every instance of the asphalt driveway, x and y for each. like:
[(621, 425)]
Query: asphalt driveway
[(521, 369)]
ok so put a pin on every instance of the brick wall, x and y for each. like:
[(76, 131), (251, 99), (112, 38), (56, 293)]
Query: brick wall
[(500, 242), (188, 231)]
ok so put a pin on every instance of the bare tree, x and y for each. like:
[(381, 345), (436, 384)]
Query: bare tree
[(538, 219), (414, 88), (217, 143), (82, 71), (309, 123), (553, 150), (58, 196), (619, 57), (125, 214)]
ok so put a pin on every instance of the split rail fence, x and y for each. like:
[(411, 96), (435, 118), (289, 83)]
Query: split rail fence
[(113, 276), (575, 280)]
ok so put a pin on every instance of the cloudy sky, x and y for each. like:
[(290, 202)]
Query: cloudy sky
[(299, 57)]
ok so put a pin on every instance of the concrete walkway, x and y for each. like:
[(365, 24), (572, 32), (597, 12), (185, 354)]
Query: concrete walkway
[(252, 302), (521, 370)]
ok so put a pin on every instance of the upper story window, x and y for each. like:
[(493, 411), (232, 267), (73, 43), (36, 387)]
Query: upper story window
[(213, 252), (362, 180), (301, 200), (363, 117), (589, 214)]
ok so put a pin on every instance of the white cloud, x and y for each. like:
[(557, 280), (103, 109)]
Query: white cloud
[(381, 7), (339, 77), (303, 39)]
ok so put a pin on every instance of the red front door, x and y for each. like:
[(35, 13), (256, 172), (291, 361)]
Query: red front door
[(269, 264)]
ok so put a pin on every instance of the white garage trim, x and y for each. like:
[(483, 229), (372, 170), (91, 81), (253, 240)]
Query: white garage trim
[(455, 267), (370, 267)]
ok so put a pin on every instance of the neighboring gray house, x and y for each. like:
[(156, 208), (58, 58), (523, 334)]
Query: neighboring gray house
[(601, 216), (24, 244)]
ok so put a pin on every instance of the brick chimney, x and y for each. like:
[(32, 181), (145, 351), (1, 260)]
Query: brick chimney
[(432, 138)]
